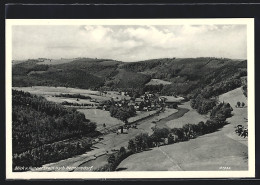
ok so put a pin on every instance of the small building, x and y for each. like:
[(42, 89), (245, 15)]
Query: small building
[(122, 130), (138, 101), (131, 103)]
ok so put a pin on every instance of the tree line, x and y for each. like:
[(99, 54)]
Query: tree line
[(79, 96), (204, 100)]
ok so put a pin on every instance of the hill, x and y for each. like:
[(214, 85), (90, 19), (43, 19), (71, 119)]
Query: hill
[(39, 125), (179, 75)]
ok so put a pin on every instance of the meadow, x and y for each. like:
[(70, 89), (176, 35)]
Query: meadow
[(101, 117)]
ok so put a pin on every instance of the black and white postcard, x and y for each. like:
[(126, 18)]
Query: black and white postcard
[(130, 98)]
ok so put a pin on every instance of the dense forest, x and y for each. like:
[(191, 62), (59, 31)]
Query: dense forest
[(186, 75), (205, 99), (38, 124)]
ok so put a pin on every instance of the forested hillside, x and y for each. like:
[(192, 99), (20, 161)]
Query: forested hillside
[(186, 75), (191, 74), (38, 124)]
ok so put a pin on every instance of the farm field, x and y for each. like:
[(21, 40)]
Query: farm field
[(100, 117), (49, 90), (70, 100), (208, 152), (116, 95)]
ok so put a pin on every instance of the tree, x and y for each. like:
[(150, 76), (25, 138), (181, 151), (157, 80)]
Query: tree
[(238, 104), (179, 133), (170, 139), (243, 104), (111, 159), (158, 134), (122, 150), (131, 145)]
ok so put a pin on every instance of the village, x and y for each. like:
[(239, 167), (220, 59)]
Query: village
[(147, 105)]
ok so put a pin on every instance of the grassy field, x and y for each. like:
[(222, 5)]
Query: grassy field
[(56, 61), (192, 116), (240, 114), (101, 117), (41, 90), (70, 100), (158, 82), (208, 152), (48, 92), (232, 97), (140, 115), (116, 95)]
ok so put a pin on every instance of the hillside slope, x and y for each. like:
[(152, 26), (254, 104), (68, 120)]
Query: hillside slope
[(185, 74)]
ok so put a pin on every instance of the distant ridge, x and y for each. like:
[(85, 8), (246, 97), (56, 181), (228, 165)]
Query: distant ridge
[(178, 75)]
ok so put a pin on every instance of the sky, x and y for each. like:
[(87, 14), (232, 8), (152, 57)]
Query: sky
[(129, 43)]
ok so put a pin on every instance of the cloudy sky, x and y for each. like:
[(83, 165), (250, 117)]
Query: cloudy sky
[(129, 43)]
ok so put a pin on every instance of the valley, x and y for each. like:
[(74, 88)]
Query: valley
[(126, 100), (208, 152)]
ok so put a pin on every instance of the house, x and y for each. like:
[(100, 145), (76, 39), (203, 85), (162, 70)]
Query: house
[(122, 130), (138, 101), (104, 107), (172, 101), (136, 107)]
